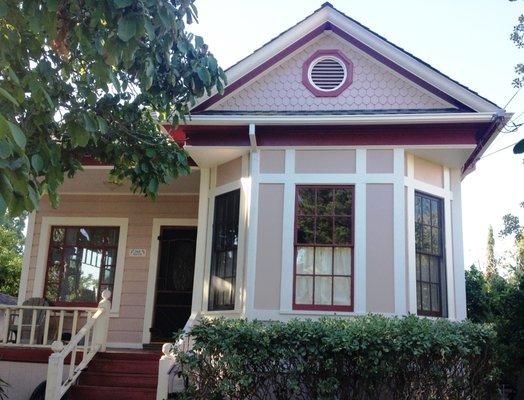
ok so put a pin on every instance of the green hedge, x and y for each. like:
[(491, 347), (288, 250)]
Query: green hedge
[(370, 357)]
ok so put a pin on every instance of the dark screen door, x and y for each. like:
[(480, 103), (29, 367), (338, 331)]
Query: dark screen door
[(174, 283)]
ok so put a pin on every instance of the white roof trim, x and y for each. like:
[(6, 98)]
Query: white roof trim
[(329, 14), (376, 119)]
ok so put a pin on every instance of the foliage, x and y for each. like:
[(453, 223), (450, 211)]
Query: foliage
[(500, 302), (3, 386), (11, 246), (517, 36), (491, 266), (93, 78), (362, 357), (513, 228)]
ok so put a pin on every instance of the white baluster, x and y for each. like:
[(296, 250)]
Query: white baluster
[(60, 325), (46, 327), (165, 364), (33, 327), (7, 320), (55, 370), (19, 329), (102, 326)]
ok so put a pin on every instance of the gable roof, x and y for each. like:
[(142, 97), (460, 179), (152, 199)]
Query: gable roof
[(327, 18)]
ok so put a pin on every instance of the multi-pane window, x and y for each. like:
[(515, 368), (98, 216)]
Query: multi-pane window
[(224, 252), (323, 248), (429, 255), (81, 263)]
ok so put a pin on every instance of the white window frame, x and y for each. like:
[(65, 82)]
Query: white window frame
[(43, 251)]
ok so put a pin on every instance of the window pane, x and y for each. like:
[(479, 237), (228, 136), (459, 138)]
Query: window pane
[(306, 201), (109, 275), (325, 204), (304, 260), (426, 211), (425, 296), (342, 261), (341, 291), (435, 298), (424, 268), (71, 236), (323, 290), (435, 242), (419, 296), (343, 201), (434, 269), (418, 209), (304, 290), (58, 235), (323, 260), (426, 239), (343, 230), (85, 235), (306, 230), (324, 231), (435, 213), (81, 274)]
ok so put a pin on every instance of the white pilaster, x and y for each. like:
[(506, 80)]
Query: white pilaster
[(399, 229), (360, 235)]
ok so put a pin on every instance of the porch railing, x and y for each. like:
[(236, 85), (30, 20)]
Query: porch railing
[(167, 366), (89, 340)]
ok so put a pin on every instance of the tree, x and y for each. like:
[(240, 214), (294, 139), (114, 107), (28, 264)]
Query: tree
[(477, 298), (11, 245), (517, 36), (512, 227), (94, 78), (491, 263)]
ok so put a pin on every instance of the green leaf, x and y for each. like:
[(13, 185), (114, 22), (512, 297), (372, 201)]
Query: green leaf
[(8, 96), (519, 147), (102, 124), (90, 124), (127, 27), (204, 76), (123, 3), (3, 8), (37, 162), (79, 136), (6, 149), (150, 29), (18, 135)]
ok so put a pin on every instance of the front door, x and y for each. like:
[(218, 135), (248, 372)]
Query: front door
[(174, 283)]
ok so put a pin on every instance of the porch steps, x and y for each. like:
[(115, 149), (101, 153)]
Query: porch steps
[(121, 375)]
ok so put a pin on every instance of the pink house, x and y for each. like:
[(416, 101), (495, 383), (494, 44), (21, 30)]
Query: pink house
[(326, 181)]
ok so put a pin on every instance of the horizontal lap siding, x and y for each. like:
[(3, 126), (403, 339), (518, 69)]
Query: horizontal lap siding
[(127, 328)]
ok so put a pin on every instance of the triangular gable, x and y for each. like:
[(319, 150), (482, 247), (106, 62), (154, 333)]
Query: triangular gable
[(430, 82), (373, 86)]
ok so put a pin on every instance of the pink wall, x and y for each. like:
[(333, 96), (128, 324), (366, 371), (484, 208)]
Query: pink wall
[(428, 172), (374, 86), (229, 172), (269, 246), (325, 161), (379, 161), (380, 289), (272, 161), (127, 328)]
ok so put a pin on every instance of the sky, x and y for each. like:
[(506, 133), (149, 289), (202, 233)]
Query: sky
[(467, 40)]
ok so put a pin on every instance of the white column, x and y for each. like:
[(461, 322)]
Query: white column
[(410, 210), (252, 226), (399, 233), (200, 253), (286, 279), (450, 277), (458, 247), (28, 248), (359, 278)]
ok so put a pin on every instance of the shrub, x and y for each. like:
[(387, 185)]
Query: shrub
[(369, 357)]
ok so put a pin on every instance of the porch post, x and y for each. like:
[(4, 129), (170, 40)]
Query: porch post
[(200, 256)]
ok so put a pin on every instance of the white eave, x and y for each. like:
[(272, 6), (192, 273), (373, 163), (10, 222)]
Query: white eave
[(375, 119)]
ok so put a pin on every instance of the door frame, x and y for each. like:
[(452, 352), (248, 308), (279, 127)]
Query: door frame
[(158, 223)]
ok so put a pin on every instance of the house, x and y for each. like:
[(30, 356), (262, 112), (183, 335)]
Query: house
[(326, 181)]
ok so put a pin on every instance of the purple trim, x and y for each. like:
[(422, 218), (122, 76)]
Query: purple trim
[(311, 35), (327, 93), (262, 67), (335, 135), (469, 165)]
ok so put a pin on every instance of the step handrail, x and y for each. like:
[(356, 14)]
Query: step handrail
[(94, 337), (168, 362)]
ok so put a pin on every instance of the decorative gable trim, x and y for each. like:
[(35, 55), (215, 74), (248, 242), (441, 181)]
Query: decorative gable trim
[(328, 18)]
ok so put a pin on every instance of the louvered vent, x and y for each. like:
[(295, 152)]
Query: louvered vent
[(327, 73)]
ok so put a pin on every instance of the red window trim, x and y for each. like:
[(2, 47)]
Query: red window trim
[(104, 247), (325, 307)]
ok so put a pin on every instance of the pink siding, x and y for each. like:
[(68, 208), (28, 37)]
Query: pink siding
[(127, 328), (229, 172), (428, 172), (374, 86), (272, 161), (269, 246), (325, 161), (379, 161), (380, 289)]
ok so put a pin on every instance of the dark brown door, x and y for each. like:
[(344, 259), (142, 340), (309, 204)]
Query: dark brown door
[(174, 283)]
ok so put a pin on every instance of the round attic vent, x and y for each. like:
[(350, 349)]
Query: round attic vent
[(327, 73)]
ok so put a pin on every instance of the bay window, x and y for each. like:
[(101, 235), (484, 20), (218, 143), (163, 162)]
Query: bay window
[(81, 264), (323, 270)]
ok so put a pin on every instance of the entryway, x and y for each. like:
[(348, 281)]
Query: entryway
[(174, 283)]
